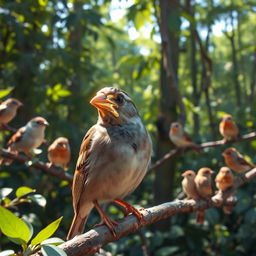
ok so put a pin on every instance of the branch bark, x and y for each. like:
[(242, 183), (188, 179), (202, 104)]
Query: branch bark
[(91, 241), (178, 151), (38, 165)]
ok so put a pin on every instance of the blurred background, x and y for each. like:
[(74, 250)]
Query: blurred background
[(191, 61)]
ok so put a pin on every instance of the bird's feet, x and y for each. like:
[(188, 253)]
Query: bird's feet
[(130, 209)]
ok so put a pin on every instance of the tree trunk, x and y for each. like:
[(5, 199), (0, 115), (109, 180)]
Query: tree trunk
[(169, 100)]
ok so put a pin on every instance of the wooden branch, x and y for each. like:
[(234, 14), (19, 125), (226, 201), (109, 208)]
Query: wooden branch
[(38, 165), (178, 151), (91, 241)]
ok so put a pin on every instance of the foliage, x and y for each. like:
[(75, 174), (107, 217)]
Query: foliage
[(55, 54)]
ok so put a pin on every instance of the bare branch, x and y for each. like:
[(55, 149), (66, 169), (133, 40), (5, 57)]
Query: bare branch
[(38, 165), (178, 151)]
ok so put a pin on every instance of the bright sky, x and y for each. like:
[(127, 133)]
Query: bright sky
[(118, 10)]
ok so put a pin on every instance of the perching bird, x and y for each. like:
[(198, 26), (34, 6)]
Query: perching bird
[(180, 138), (113, 159), (224, 180), (235, 161), (228, 128), (189, 188), (59, 153), (8, 110), (204, 187), (189, 185), (27, 137)]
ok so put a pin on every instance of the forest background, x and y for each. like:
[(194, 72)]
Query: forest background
[(191, 61)]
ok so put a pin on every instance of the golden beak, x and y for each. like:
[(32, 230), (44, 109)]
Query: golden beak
[(103, 103)]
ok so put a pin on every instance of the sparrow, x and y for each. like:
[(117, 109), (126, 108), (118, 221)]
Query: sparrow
[(235, 161), (113, 159), (189, 188), (189, 185), (27, 138), (180, 138), (228, 128), (59, 153), (8, 110), (224, 180), (204, 188)]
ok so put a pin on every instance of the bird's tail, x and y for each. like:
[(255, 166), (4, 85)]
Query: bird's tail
[(77, 226), (200, 217), (7, 161)]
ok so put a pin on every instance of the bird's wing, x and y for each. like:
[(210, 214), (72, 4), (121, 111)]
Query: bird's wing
[(242, 161), (81, 172), (187, 137), (16, 137)]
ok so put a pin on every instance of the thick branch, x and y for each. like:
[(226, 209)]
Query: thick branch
[(90, 242), (217, 143), (38, 165)]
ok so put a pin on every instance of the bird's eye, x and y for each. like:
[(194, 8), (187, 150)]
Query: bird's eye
[(120, 99), (38, 122)]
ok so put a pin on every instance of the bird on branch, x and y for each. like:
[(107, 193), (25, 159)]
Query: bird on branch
[(113, 159)]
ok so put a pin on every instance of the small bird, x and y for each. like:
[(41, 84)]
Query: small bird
[(204, 187), (189, 185), (113, 159), (228, 128), (235, 161), (189, 188), (59, 153), (224, 180), (180, 138), (8, 110), (27, 138)]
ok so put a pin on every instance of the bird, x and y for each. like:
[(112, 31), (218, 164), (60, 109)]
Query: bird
[(113, 159), (180, 138), (228, 128), (59, 153), (8, 110), (27, 138), (189, 188), (235, 161), (189, 185), (224, 180), (204, 188)]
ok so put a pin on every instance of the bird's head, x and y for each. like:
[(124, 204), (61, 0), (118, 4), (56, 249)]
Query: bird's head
[(114, 105), (230, 153), (13, 103), (62, 143), (38, 123), (227, 117), (206, 172), (176, 128), (225, 171), (189, 174)]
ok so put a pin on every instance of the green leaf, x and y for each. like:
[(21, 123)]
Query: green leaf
[(4, 192), (53, 240), (39, 199), (7, 253), (21, 191), (12, 226), (46, 232), (52, 250), (5, 92)]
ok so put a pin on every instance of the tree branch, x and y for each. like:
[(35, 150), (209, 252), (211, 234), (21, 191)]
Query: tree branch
[(209, 144), (38, 165), (91, 241)]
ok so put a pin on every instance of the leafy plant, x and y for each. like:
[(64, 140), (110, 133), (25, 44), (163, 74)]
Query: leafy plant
[(20, 232)]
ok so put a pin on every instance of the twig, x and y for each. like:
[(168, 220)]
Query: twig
[(38, 165), (217, 143), (90, 242)]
